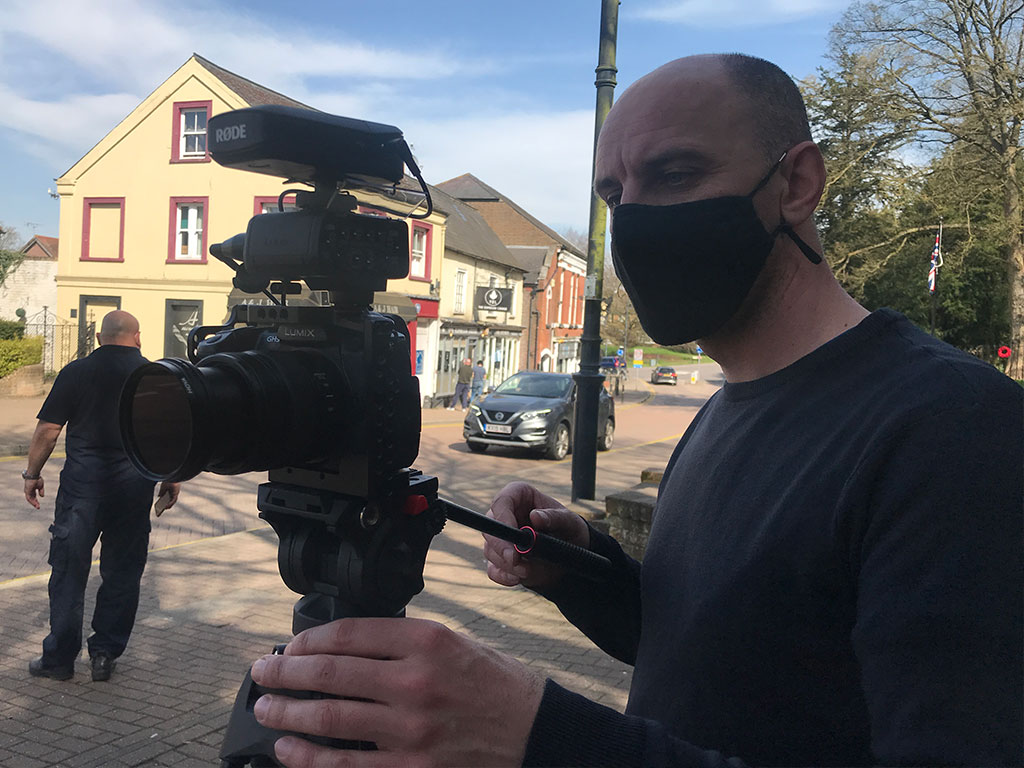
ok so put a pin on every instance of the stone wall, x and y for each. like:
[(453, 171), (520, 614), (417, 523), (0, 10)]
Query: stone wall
[(628, 514), (24, 382)]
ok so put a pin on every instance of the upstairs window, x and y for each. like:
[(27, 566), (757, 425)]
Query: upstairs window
[(419, 253), (188, 229), (459, 307), (188, 140)]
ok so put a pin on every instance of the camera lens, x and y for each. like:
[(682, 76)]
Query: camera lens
[(160, 419), (232, 413)]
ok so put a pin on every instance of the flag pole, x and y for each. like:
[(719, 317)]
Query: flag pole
[(936, 263)]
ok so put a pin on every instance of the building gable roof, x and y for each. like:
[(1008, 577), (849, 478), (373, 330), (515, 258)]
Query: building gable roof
[(48, 246), (254, 94), (468, 233), (470, 189), (236, 90)]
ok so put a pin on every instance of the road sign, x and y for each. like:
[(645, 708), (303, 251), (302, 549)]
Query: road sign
[(638, 358)]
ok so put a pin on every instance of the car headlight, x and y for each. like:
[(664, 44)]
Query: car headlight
[(474, 408), (533, 414)]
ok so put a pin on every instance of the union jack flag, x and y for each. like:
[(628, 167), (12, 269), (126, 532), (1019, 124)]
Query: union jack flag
[(936, 263)]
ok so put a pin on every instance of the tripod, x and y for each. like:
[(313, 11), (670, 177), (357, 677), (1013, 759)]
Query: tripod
[(353, 557)]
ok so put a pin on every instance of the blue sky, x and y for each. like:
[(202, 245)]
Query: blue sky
[(503, 90)]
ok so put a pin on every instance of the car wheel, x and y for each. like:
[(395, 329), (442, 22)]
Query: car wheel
[(559, 445), (605, 444), (477, 447)]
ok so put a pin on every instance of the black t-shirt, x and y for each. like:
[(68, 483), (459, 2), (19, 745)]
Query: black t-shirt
[(833, 575), (85, 396)]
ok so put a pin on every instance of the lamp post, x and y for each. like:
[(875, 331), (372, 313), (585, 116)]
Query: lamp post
[(589, 378)]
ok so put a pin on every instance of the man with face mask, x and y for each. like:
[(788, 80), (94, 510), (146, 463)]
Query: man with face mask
[(834, 570)]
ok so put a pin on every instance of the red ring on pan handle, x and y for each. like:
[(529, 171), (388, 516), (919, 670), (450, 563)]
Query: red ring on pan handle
[(533, 540)]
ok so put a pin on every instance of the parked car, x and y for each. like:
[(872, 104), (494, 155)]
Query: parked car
[(534, 410), (664, 373)]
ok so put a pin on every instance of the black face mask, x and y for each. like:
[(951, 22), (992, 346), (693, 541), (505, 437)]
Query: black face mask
[(688, 267)]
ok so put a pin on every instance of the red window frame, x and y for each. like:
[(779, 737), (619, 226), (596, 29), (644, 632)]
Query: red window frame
[(260, 200), (87, 204), (429, 229), (172, 229), (179, 107)]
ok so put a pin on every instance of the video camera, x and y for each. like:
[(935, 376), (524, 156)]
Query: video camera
[(322, 397)]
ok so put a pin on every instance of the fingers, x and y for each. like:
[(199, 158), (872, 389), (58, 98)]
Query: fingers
[(337, 675), (334, 718), (293, 752), (562, 524), (514, 502), (367, 637)]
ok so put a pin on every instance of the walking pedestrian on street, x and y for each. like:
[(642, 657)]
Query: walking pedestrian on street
[(100, 495), (479, 377), (462, 385), (834, 569)]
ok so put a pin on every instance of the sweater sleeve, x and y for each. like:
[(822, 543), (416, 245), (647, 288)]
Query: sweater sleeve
[(940, 561), (571, 730), (607, 612)]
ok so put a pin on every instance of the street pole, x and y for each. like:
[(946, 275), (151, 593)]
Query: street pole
[(589, 378)]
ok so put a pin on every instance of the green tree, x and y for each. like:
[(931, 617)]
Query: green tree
[(860, 136), (956, 67)]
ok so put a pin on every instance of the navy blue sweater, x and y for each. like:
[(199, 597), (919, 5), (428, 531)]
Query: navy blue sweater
[(834, 574)]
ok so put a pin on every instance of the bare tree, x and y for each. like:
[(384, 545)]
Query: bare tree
[(10, 255), (957, 67)]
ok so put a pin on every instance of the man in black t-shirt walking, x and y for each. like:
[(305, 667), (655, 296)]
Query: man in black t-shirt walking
[(100, 493)]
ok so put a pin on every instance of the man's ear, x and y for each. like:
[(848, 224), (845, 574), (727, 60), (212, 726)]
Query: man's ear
[(804, 172), (138, 339)]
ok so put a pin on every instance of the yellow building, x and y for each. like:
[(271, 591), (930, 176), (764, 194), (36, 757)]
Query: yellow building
[(139, 211)]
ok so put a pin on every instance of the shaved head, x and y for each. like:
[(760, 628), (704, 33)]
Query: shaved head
[(773, 109), (119, 327)]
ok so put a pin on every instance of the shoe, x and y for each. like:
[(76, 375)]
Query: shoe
[(36, 669), (451, 407), (102, 666)]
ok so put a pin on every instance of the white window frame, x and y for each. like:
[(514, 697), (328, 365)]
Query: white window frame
[(418, 258), (185, 133), (459, 302), (193, 229)]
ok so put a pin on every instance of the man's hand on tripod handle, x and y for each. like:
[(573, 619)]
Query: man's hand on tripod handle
[(424, 694), (519, 504)]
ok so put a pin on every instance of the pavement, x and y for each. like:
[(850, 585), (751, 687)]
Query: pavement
[(212, 602)]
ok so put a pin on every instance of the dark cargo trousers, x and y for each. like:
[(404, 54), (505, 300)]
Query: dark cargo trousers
[(123, 522)]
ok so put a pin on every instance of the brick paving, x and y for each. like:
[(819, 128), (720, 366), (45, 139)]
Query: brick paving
[(209, 608), (212, 600)]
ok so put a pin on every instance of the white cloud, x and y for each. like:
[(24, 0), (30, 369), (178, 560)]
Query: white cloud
[(735, 13), (89, 65), (542, 161)]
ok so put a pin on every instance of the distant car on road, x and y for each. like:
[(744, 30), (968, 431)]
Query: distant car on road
[(664, 374), (534, 410), (615, 363)]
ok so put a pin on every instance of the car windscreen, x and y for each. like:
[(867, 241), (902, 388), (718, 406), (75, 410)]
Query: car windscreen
[(535, 386)]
